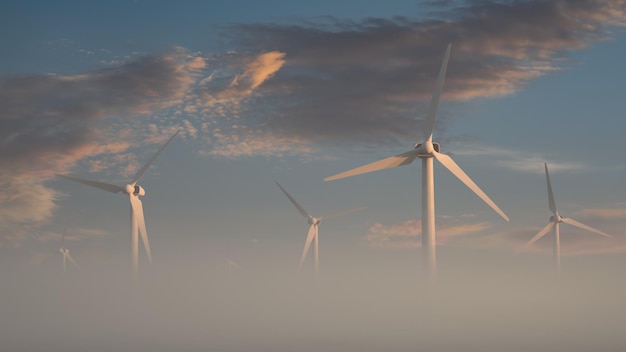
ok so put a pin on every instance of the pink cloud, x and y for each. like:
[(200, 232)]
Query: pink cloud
[(408, 234)]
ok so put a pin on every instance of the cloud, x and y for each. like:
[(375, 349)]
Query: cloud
[(286, 90), (246, 143), (49, 123), (521, 161), (601, 214), (407, 234), (368, 81), (259, 70)]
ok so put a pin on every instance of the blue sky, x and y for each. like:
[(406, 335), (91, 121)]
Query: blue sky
[(295, 92)]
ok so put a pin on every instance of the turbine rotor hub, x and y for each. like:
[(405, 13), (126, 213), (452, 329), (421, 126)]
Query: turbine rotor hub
[(427, 148), (135, 190), (556, 218)]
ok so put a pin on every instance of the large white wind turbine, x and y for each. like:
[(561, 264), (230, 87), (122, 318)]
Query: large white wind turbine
[(312, 235), (553, 225), (427, 150), (66, 255), (134, 191)]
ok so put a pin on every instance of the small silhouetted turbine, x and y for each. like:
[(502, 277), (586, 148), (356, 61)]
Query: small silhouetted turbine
[(553, 225), (314, 223)]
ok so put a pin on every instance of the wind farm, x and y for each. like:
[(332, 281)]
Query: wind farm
[(196, 110)]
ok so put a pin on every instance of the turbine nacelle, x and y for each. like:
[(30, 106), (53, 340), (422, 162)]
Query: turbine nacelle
[(556, 218), (314, 221), (64, 250), (135, 190), (427, 148)]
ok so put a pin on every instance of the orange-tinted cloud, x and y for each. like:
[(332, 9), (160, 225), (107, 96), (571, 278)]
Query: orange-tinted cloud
[(49, 123), (362, 81), (408, 234)]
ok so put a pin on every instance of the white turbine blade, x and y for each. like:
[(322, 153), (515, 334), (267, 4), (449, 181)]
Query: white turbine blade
[(137, 206), (342, 212), (156, 155), (104, 186), (537, 236), (293, 201), (69, 257), (584, 227), (307, 244), (551, 202), (429, 122), (449, 164), (387, 163)]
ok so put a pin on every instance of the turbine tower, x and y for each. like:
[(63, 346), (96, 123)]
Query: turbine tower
[(312, 235), (427, 150), (553, 225), (134, 191)]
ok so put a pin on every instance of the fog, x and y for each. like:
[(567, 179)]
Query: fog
[(361, 303)]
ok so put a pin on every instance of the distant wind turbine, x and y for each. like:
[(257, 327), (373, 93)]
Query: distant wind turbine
[(312, 235), (66, 255), (134, 191), (553, 225), (231, 264), (426, 151)]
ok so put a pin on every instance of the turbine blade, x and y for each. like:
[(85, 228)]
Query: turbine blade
[(537, 236), (156, 155), (584, 227), (103, 186), (293, 201), (69, 257), (387, 163), (551, 202), (429, 122), (449, 164), (307, 244), (137, 206), (342, 212)]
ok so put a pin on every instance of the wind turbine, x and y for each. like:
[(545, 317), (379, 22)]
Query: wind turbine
[(553, 225), (66, 255), (314, 228), (134, 191), (427, 150)]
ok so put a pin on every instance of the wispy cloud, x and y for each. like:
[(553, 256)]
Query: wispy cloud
[(408, 234), (521, 160)]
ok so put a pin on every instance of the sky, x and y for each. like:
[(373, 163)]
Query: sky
[(294, 92)]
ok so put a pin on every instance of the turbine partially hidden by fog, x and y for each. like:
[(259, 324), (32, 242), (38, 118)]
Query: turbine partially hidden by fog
[(134, 191), (426, 151), (312, 235), (553, 225), (66, 255)]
